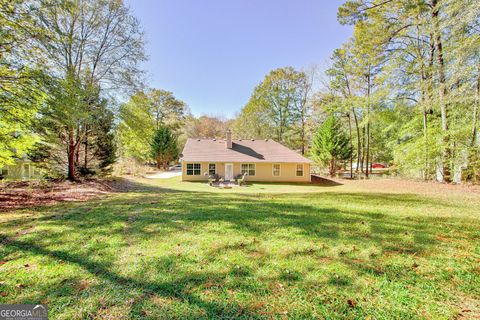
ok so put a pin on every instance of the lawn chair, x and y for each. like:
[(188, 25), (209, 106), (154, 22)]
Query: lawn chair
[(213, 178), (241, 179)]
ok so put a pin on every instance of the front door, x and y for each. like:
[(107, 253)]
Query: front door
[(228, 171)]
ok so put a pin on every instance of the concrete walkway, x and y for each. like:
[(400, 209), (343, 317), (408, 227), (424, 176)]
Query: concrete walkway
[(164, 175)]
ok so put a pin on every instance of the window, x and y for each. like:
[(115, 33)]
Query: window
[(276, 170), (193, 169), (299, 170), (212, 169), (4, 172), (248, 168)]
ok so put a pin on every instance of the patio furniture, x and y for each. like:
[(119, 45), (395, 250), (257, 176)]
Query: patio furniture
[(213, 178), (241, 179)]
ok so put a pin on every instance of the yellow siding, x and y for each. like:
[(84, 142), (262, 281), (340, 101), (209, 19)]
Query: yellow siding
[(263, 172)]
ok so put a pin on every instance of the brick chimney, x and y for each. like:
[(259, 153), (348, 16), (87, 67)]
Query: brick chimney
[(228, 142)]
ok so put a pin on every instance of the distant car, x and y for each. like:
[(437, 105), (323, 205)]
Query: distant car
[(378, 166), (176, 167)]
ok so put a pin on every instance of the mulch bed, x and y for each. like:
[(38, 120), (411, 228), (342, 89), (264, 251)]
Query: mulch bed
[(22, 194)]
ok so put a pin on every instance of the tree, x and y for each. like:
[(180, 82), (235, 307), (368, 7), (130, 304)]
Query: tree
[(19, 102), (167, 109), (94, 48), (103, 142), (142, 115), (164, 147), (136, 128), (431, 51), (342, 83), (278, 108), (21, 89), (206, 127), (330, 144)]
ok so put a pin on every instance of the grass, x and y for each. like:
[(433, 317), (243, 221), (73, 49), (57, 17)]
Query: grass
[(185, 250)]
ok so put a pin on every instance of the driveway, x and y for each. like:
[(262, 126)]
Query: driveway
[(164, 175)]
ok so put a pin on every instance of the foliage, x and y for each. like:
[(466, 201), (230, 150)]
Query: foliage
[(278, 108), (21, 82), (142, 115), (164, 147), (330, 144), (206, 127), (418, 60), (93, 49), (104, 142), (19, 101)]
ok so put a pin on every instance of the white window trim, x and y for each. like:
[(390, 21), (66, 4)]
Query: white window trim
[(254, 168), (296, 170), (215, 168), (193, 169), (279, 170)]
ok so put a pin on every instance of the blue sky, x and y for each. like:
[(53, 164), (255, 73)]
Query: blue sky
[(212, 53)]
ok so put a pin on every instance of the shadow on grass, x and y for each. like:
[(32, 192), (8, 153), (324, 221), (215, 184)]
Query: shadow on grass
[(171, 289), (130, 185), (157, 211)]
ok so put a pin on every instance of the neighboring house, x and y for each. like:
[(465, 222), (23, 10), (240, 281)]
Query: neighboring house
[(262, 160), (23, 169)]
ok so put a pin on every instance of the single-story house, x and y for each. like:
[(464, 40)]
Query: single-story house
[(261, 160)]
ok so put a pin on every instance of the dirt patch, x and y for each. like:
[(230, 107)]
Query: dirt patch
[(24, 194), (400, 186), (405, 186), (469, 309)]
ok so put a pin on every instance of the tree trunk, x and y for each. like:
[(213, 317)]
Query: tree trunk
[(475, 113), (446, 153), (367, 157), (71, 156), (363, 150), (426, 76), (351, 144), (86, 148), (425, 138), (367, 169), (303, 135), (358, 138), (472, 171)]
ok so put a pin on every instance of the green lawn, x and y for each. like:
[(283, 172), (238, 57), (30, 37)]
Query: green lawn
[(186, 250)]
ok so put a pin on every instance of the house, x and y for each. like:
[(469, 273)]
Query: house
[(261, 160)]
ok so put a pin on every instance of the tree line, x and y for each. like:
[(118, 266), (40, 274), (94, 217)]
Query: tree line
[(403, 90), (63, 63)]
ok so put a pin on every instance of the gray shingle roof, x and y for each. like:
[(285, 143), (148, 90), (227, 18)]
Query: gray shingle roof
[(211, 150)]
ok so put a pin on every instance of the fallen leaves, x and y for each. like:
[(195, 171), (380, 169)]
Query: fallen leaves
[(24, 194)]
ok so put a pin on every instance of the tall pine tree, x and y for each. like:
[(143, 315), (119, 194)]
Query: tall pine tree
[(331, 144)]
